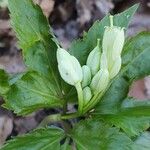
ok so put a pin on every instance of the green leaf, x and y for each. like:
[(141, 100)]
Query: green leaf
[(40, 139), (35, 38), (82, 47), (137, 67), (134, 46), (133, 117), (4, 85), (31, 93), (142, 142), (95, 134)]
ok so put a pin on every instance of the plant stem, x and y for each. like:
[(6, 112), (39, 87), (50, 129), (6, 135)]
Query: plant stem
[(70, 116), (80, 97), (93, 102), (57, 118), (50, 119), (111, 20), (88, 106)]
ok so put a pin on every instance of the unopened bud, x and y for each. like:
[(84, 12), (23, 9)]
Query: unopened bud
[(112, 44), (86, 76), (115, 68), (113, 40), (87, 95), (93, 60), (69, 67), (100, 81)]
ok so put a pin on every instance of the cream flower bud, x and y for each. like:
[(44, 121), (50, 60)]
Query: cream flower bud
[(115, 68), (113, 40), (87, 95), (69, 67), (100, 81), (112, 45), (86, 76), (93, 60)]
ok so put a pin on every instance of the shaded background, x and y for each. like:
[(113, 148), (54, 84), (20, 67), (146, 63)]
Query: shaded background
[(68, 18)]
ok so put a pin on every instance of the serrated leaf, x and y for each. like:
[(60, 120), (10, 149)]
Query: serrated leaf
[(82, 47), (136, 68), (4, 85), (95, 134), (133, 117), (35, 38), (134, 46), (40, 139), (31, 93), (142, 142), (38, 42)]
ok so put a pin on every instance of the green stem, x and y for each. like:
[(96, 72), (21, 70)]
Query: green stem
[(93, 102), (50, 119), (70, 116), (111, 20), (57, 118), (80, 97), (88, 106), (95, 99)]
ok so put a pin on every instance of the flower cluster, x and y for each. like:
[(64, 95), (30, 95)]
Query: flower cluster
[(103, 64)]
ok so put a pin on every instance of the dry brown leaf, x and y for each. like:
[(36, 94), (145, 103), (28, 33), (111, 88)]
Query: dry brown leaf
[(4, 24), (46, 5), (104, 6), (147, 86), (138, 90), (84, 8), (6, 126), (23, 125)]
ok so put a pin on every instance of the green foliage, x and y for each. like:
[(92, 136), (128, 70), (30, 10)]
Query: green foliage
[(98, 135), (142, 142), (41, 88), (132, 117), (36, 41), (31, 93), (115, 123), (49, 139)]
